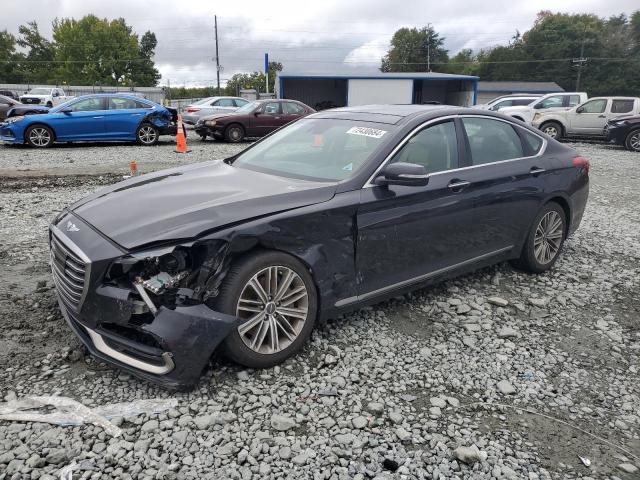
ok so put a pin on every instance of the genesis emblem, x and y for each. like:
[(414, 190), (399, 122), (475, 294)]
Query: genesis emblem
[(71, 227)]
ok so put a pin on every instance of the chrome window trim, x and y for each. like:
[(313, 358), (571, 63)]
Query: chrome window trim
[(370, 184)]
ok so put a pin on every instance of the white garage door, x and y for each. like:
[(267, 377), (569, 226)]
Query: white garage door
[(365, 92)]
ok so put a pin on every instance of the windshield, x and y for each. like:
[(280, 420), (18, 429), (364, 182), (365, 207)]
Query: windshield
[(317, 149), (40, 91), (247, 108), (63, 105)]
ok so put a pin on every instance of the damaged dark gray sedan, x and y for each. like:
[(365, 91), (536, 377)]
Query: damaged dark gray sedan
[(343, 208)]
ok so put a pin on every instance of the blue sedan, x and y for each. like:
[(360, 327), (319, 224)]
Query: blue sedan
[(102, 117)]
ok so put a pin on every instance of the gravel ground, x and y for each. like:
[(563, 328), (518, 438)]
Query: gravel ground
[(497, 374)]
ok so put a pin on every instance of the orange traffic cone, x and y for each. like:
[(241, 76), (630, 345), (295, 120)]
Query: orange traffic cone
[(133, 167), (181, 138)]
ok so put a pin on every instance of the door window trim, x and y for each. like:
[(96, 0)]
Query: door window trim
[(369, 183)]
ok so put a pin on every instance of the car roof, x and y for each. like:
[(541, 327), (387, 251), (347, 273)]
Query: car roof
[(390, 114), (115, 94), (614, 97)]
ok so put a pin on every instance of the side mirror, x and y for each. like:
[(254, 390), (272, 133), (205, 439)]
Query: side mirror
[(579, 109), (538, 106), (65, 110), (407, 174), (256, 113)]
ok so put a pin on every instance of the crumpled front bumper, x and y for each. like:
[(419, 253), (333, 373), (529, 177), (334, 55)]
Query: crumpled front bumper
[(187, 337), (170, 347)]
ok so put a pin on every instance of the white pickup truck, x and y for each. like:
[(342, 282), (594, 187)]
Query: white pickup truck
[(548, 102), (47, 96), (587, 119)]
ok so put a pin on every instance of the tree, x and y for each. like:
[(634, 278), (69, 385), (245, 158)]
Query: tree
[(255, 80), (463, 63), (414, 50), (36, 65), (145, 73), (8, 58)]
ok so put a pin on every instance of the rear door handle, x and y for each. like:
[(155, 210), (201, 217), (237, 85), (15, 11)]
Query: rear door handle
[(456, 185), (535, 171), (100, 116), (136, 114)]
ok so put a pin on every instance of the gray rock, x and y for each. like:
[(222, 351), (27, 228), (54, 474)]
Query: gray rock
[(282, 423), (150, 426), (58, 456), (507, 332), (359, 422), (301, 459), (396, 417), (468, 455), (438, 402), (498, 301), (375, 407), (402, 434), (345, 438), (284, 453), (505, 387), (628, 468)]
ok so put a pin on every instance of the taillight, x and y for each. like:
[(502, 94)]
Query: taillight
[(581, 162), (192, 110)]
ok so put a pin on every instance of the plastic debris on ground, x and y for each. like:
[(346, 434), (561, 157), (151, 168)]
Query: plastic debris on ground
[(66, 411)]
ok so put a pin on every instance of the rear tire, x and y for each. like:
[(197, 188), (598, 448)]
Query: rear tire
[(39, 136), (147, 135), (632, 142), (553, 129), (234, 133), (545, 240), (277, 322)]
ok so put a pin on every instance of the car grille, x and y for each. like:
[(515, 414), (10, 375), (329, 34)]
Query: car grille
[(30, 100), (69, 273)]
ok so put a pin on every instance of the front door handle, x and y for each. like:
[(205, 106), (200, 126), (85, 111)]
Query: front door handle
[(602, 116), (457, 185), (136, 114), (100, 116), (535, 171)]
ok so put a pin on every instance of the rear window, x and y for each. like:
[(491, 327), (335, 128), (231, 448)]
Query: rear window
[(491, 140), (532, 143), (621, 106)]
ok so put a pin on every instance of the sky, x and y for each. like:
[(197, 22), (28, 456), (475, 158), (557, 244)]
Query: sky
[(322, 36)]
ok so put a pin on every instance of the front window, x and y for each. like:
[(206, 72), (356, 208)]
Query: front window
[(435, 148), (88, 105), (271, 108), (317, 149), (594, 106), (40, 91)]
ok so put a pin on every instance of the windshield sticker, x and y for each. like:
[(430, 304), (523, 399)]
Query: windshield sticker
[(318, 140), (348, 167), (367, 132)]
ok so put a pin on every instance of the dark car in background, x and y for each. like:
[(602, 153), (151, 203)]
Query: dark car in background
[(12, 108), (337, 210), (624, 131), (255, 119), (10, 94), (99, 117)]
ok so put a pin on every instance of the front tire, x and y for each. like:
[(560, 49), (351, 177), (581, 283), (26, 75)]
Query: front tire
[(553, 129), (632, 142), (274, 294), (147, 135), (545, 240), (39, 136), (234, 133)]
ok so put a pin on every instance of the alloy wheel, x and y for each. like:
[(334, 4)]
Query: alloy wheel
[(147, 135), (274, 305), (235, 133), (634, 141), (40, 137), (548, 237), (551, 130)]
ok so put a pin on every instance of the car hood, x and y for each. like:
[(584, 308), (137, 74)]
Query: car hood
[(187, 202)]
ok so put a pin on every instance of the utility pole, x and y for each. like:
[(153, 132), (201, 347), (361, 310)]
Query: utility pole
[(215, 19), (580, 62), (429, 48)]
